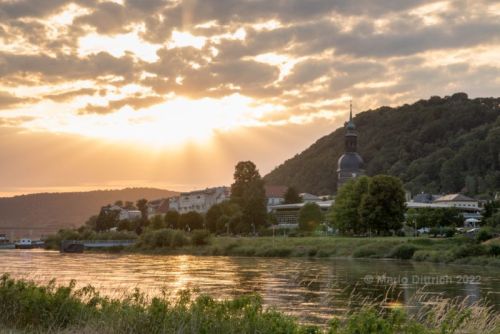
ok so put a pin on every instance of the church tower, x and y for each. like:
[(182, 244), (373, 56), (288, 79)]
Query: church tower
[(350, 165)]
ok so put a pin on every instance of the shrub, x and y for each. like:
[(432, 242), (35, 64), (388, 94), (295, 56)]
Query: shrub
[(179, 239), (200, 237), (494, 250), (373, 250), (403, 251), (484, 234), (469, 250)]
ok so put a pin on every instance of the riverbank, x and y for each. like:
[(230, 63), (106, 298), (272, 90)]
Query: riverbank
[(458, 250), (27, 307)]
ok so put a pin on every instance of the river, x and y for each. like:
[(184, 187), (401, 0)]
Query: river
[(311, 289)]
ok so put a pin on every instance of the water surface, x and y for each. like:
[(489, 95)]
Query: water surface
[(311, 289)]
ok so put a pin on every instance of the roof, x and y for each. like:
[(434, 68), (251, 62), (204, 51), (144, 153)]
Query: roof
[(454, 198), (323, 205), (275, 191), (350, 161)]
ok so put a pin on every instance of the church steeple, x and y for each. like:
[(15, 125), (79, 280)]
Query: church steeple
[(350, 164), (351, 137)]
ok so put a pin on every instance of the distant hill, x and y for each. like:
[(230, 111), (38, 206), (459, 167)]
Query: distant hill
[(445, 144), (52, 211)]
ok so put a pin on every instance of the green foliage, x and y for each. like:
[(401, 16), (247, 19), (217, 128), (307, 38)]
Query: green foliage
[(191, 220), (54, 241), (142, 206), (373, 250), (382, 208), (220, 215), (345, 212), (484, 234), (292, 196), (163, 238), (248, 192), (172, 219), (373, 205), (432, 145), (432, 217), (27, 307), (403, 251), (310, 216), (157, 222), (200, 237), (106, 219)]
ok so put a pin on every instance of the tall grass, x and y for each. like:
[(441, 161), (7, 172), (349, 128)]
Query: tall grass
[(27, 307)]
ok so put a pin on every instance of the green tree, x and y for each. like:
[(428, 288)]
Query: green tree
[(106, 219), (248, 192), (382, 208), (142, 206), (125, 225), (292, 196), (191, 220), (157, 222), (345, 212), (227, 209), (310, 216), (172, 219)]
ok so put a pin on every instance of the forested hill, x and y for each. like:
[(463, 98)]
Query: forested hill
[(57, 210), (445, 144)]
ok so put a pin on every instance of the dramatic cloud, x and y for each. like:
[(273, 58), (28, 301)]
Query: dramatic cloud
[(170, 71)]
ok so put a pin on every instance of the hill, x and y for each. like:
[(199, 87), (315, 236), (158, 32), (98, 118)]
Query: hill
[(438, 145), (51, 211)]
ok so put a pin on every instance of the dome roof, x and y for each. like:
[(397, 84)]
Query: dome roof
[(350, 161)]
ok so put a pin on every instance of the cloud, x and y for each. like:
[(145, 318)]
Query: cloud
[(136, 102), (8, 100), (66, 96)]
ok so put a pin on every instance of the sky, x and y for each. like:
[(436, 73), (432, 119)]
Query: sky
[(172, 94)]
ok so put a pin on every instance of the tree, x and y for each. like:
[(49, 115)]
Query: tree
[(310, 216), (157, 222), (106, 219), (248, 192), (226, 209), (292, 196), (382, 208), (345, 212), (142, 206), (119, 203), (172, 219), (191, 220), (129, 206)]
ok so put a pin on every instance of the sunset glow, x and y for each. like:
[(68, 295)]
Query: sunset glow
[(166, 75)]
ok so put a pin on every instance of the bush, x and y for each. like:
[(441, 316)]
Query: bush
[(179, 239), (484, 234), (200, 237), (469, 250), (373, 250), (494, 250), (404, 251)]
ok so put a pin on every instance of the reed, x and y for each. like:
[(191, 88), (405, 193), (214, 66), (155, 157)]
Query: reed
[(28, 307)]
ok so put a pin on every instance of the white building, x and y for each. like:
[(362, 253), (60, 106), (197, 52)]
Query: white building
[(199, 200), (275, 195), (124, 214), (458, 201)]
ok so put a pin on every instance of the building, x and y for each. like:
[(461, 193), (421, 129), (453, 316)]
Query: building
[(350, 165), (310, 198), (287, 215), (123, 214), (467, 206), (274, 195), (158, 207), (458, 201), (199, 200)]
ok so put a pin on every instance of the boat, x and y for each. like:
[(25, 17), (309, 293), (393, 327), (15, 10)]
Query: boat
[(5, 243), (24, 244)]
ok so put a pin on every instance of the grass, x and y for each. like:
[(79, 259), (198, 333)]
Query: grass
[(27, 307), (445, 250), (458, 249)]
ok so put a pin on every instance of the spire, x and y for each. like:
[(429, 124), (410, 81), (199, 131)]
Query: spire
[(350, 110), (350, 124)]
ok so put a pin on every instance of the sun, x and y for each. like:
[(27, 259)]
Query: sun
[(175, 122)]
